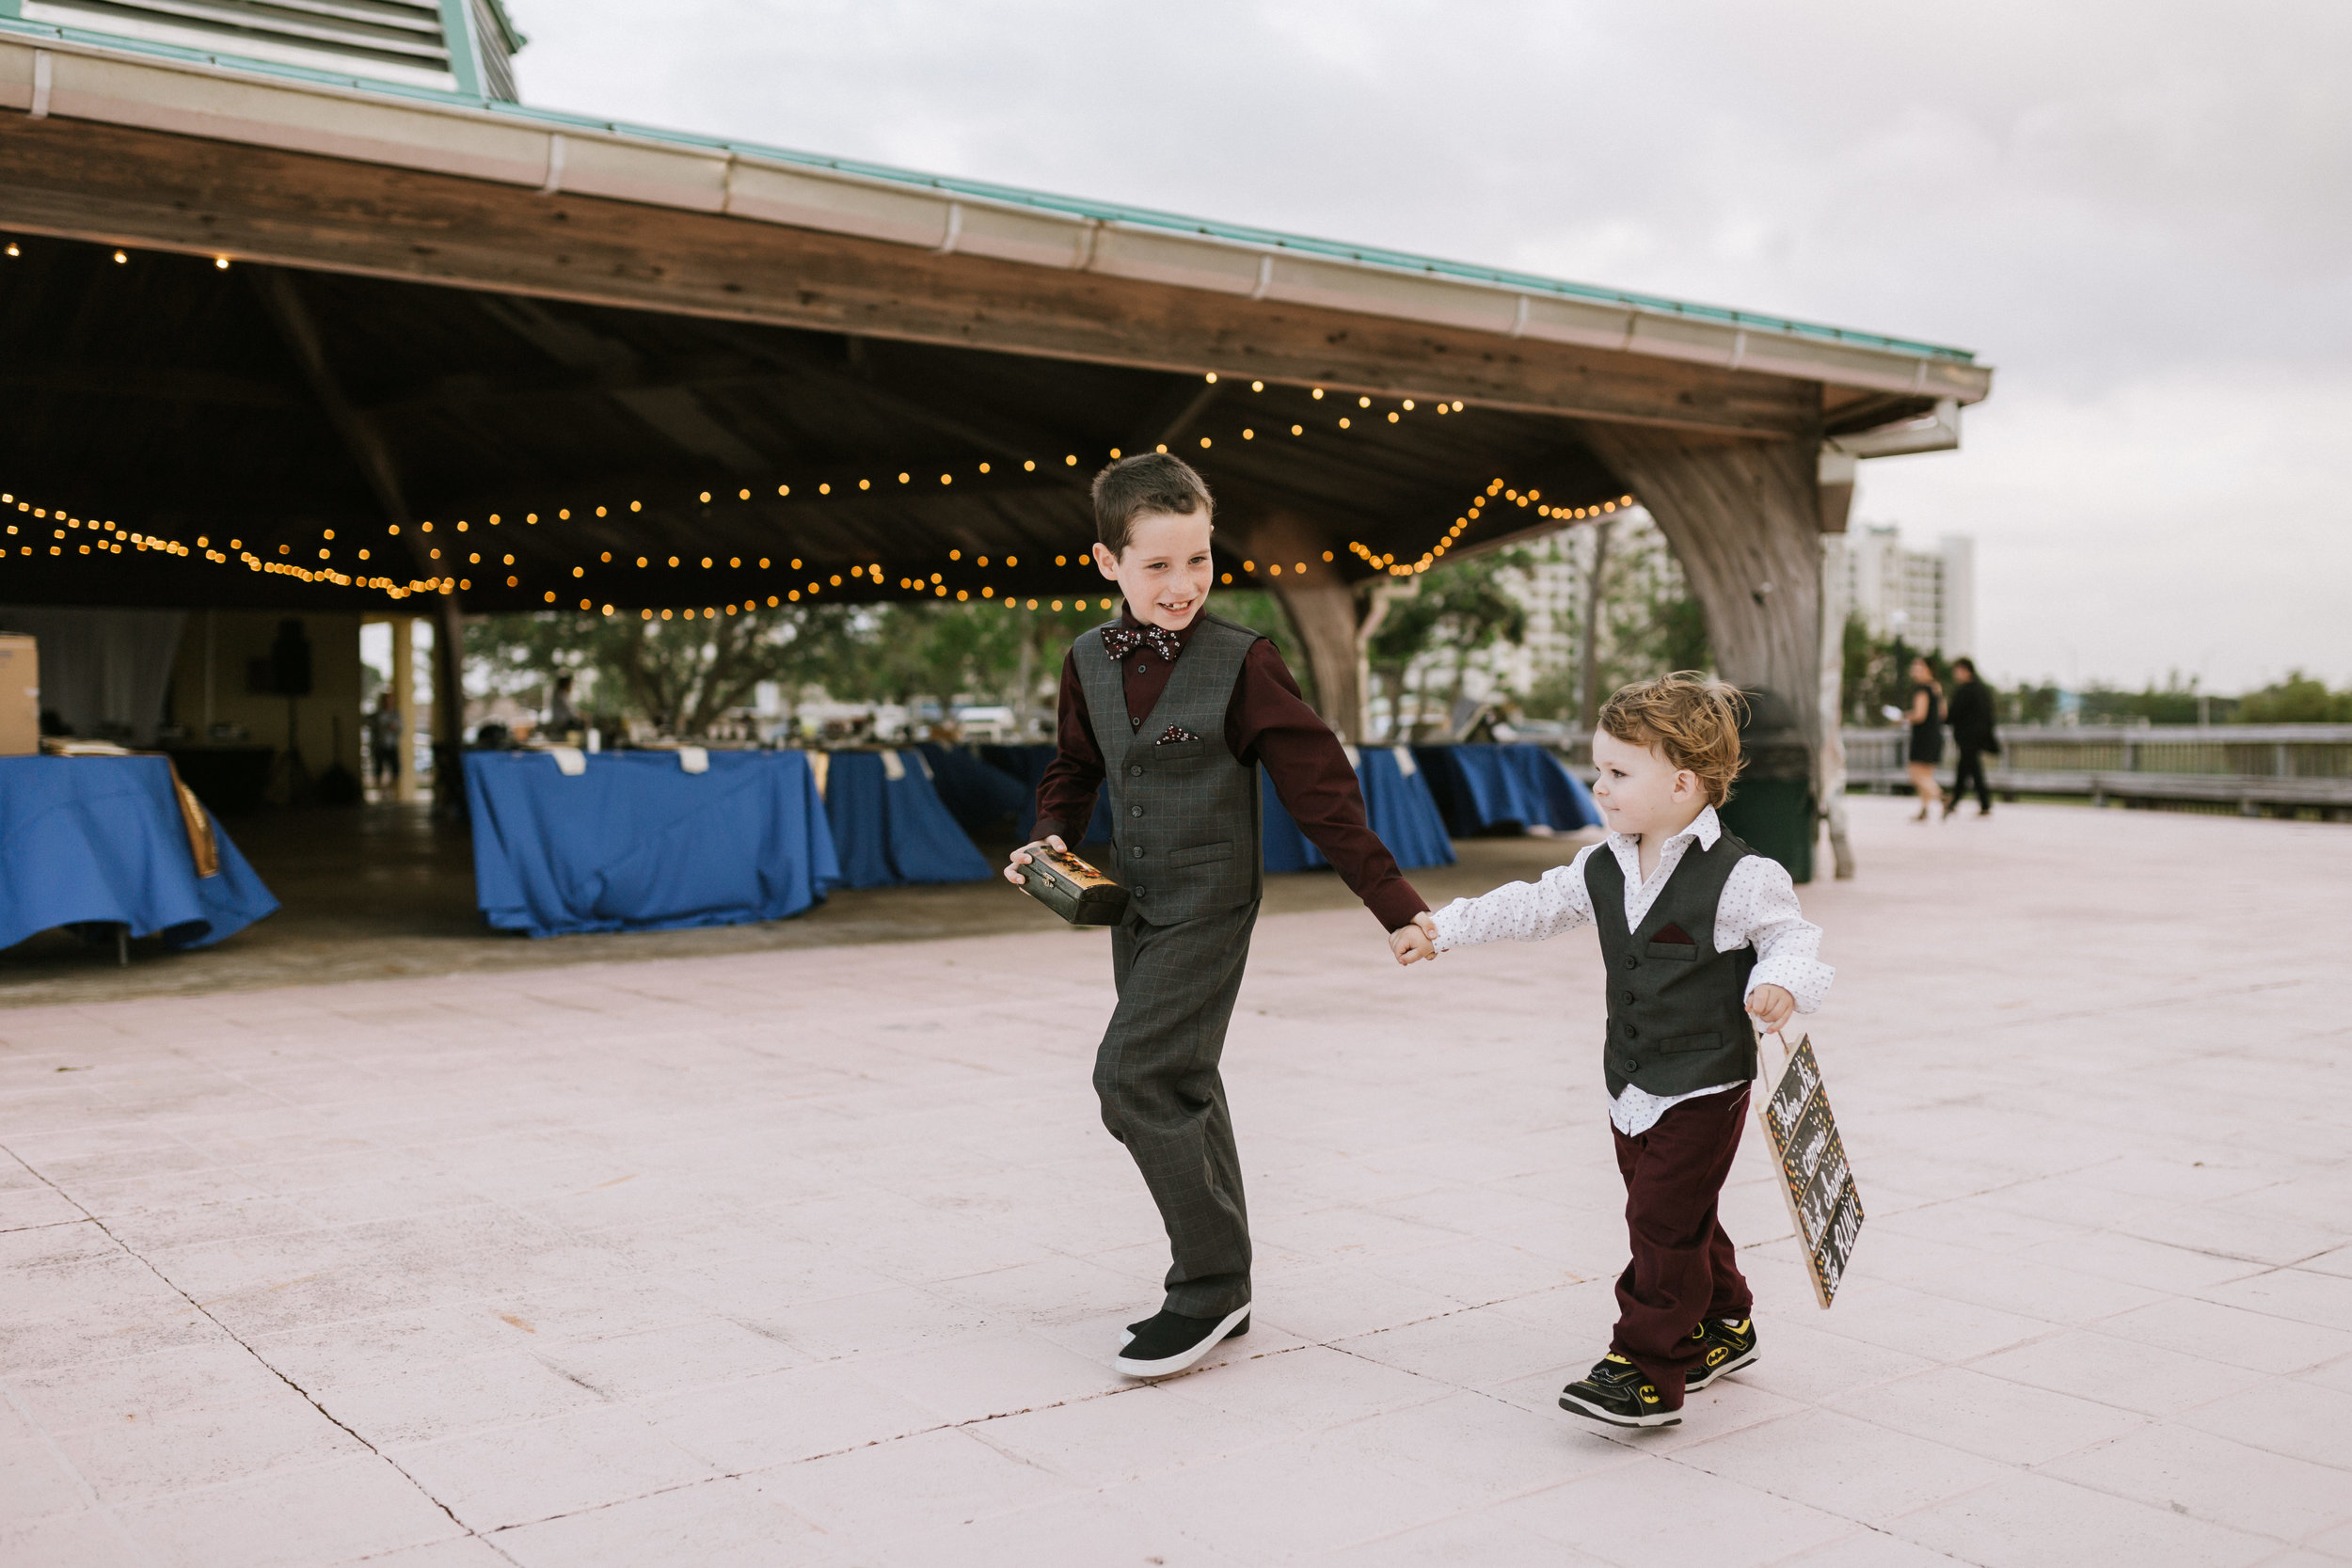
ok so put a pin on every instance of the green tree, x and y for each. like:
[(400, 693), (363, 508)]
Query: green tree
[(2300, 699), (680, 676), (1462, 607)]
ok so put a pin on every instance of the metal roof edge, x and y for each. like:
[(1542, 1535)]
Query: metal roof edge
[(1504, 281)]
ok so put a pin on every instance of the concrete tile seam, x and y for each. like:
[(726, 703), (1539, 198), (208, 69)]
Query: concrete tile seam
[(851, 1447), (90, 1499), (263, 1360), (2171, 1505)]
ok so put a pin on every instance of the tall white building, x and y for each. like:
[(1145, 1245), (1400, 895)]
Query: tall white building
[(1927, 597)]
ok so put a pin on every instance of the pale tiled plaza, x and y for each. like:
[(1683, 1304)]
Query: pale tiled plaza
[(818, 1256)]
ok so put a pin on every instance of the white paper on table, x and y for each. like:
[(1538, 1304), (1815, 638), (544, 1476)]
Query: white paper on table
[(694, 759), (893, 768), (569, 760), (1405, 762), (1355, 757)]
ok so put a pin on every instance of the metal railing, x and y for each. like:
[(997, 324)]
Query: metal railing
[(2279, 768)]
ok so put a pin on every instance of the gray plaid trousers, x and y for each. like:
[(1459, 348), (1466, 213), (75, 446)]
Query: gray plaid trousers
[(1156, 1075)]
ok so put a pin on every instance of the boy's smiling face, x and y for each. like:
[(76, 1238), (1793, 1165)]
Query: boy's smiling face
[(1165, 571)]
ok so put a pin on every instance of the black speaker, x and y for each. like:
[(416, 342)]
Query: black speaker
[(285, 670)]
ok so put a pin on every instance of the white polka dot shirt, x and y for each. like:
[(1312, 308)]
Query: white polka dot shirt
[(1759, 909)]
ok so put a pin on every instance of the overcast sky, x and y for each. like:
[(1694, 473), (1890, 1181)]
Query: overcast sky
[(2141, 213)]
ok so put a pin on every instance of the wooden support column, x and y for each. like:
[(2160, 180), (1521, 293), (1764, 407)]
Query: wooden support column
[(405, 704), (1744, 518), (1327, 616)]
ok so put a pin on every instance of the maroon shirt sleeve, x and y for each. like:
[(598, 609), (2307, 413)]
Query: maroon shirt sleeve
[(1270, 720), (1065, 796)]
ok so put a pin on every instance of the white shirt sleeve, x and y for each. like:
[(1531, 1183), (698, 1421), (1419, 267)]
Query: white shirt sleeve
[(1759, 908), (1520, 911)]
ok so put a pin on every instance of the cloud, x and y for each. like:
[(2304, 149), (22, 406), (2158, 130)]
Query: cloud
[(2135, 210)]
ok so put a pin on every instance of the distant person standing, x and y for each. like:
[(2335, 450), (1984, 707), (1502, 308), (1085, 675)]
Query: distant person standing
[(562, 718), (384, 741), (1926, 719), (1974, 734)]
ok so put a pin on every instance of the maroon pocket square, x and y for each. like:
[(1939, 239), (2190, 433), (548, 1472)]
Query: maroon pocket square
[(1674, 935), (1175, 733)]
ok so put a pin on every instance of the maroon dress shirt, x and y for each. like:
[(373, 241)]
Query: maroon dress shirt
[(1267, 721)]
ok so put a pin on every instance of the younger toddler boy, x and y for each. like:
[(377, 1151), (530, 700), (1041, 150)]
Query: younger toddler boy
[(1697, 932)]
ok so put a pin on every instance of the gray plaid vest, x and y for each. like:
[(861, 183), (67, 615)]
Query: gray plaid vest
[(1186, 816), (1677, 1011)]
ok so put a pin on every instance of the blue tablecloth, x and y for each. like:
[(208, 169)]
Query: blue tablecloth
[(890, 831), (101, 839), (637, 844), (1479, 788), (1027, 765), (1397, 800), (981, 799)]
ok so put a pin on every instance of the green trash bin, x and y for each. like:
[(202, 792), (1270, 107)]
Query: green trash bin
[(1772, 806)]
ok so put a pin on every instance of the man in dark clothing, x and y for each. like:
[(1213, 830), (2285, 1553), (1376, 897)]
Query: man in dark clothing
[(1973, 734)]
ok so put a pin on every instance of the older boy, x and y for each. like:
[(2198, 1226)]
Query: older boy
[(1176, 708), (1697, 932)]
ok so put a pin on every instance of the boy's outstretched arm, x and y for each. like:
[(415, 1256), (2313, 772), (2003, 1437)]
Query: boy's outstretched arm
[(1519, 912), (1269, 720)]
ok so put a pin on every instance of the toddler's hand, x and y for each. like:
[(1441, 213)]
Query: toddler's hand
[(1012, 868), (1414, 942), (1771, 1006)]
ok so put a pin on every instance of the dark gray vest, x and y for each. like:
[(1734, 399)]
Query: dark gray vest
[(1678, 1015), (1185, 817)]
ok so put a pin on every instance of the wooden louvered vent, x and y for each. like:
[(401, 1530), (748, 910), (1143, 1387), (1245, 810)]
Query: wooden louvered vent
[(399, 40)]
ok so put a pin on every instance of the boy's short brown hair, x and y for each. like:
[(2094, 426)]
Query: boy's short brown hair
[(1693, 720), (1141, 485)]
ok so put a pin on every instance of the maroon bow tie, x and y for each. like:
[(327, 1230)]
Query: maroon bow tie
[(1120, 641)]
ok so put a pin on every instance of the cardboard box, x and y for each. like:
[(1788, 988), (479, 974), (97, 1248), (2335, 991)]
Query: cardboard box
[(20, 695)]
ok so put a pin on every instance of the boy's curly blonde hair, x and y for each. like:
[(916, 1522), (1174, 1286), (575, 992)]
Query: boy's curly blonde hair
[(1692, 718)]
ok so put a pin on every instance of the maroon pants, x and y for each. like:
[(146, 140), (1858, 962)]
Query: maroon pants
[(1683, 1271)]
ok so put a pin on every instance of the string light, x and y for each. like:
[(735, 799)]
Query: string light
[(1496, 493)]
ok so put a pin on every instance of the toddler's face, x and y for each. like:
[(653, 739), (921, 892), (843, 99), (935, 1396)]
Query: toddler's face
[(1164, 570), (1639, 791)]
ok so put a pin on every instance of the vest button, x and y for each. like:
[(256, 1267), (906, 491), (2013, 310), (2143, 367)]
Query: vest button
[(1630, 1032), (1134, 811), (1630, 998), (1136, 892), (1137, 851), (1632, 1066), (1136, 770), (1631, 962)]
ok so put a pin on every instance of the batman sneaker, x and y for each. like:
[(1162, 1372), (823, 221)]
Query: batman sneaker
[(1616, 1391), (1171, 1342), (1725, 1345)]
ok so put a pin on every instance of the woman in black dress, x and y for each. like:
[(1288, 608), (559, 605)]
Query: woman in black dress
[(1926, 719)]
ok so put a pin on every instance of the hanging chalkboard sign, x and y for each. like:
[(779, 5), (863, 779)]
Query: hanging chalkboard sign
[(1814, 1175)]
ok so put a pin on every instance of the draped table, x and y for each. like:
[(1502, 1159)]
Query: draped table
[(1479, 788), (100, 839), (889, 826), (1397, 800), (635, 843)]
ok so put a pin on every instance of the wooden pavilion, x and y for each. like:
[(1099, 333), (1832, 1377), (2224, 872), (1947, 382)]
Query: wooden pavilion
[(281, 336)]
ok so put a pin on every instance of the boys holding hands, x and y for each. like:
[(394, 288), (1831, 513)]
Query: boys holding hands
[(1174, 709), (1698, 933)]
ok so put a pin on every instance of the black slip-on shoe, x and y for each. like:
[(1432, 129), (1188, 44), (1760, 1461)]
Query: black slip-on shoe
[(1132, 1329), (1726, 1345), (1614, 1391), (1169, 1342)]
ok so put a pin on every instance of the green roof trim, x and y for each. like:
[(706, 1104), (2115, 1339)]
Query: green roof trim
[(1101, 212)]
